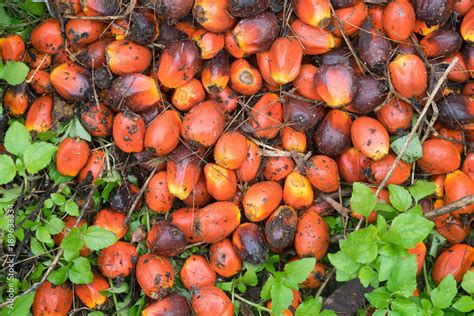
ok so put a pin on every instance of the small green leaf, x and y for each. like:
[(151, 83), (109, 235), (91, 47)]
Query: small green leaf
[(342, 262), (399, 197), (7, 169), (37, 156), (72, 244), (58, 199), (58, 276), (80, 272), (443, 295), (404, 306), (15, 72), (402, 279), (21, 306), (361, 245), (468, 282), (380, 297), (77, 130), (265, 293), (299, 270), (54, 225), (97, 238), (36, 247), (71, 208), (384, 207), (465, 304), (363, 199), (281, 298), (43, 235), (367, 276), (17, 138), (422, 189), (413, 152), (410, 228), (310, 307)]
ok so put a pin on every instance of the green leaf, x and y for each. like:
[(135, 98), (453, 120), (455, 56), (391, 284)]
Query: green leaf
[(21, 306), (96, 313), (422, 189), (54, 225), (37, 156), (443, 295), (56, 176), (384, 207), (465, 304), (7, 169), (97, 238), (265, 293), (404, 306), (71, 208), (361, 245), (468, 282), (58, 199), (58, 276), (299, 270), (36, 247), (250, 277), (380, 297), (43, 235), (80, 272), (15, 72), (310, 307), (72, 244), (17, 138), (368, 276), (399, 197), (411, 228), (281, 298), (77, 130), (385, 266), (363, 199), (402, 279), (342, 262), (35, 8), (414, 150)]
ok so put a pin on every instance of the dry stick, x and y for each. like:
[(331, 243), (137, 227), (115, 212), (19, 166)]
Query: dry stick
[(328, 277), (55, 260), (339, 208), (139, 195), (448, 208)]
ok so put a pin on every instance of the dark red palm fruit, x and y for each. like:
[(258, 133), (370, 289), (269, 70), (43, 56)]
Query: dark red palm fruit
[(203, 124), (305, 82), (456, 260), (468, 165), (378, 170), (456, 186), (340, 55), (52, 299), (209, 43), (468, 88), (197, 273), (373, 48), (375, 13), (408, 75), (221, 183), (128, 132), (121, 199), (247, 8), (223, 259), (370, 137), (162, 134), (157, 196), (112, 221), (312, 236), (92, 170), (456, 111), (316, 13), (251, 165), (232, 47), (441, 43), (439, 157), (370, 94), (227, 97), (99, 7), (297, 191), (280, 228), (462, 6), (211, 300), (183, 172), (336, 84), (249, 243), (323, 173), (277, 168), (315, 40), (301, 115), (263, 62), (460, 72), (261, 200), (188, 95), (293, 140), (155, 275), (184, 219), (213, 15), (333, 135), (216, 73), (420, 251), (382, 197), (285, 59), (135, 91), (199, 196), (352, 165), (467, 26), (266, 116), (15, 100), (171, 9), (179, 63), (12, 48), (453, 229), (40, 81), (395, 115), (118, 260), (71, 81), (79, 31), (97, 119), (434, 12), (165, 239), (244, 78), (36, 60), (46, 37), (143, 28), (256, 34), (216, 221), (126, 57), (39, 117), (89, 294), (399, 20), (72, 156), (231, 150), (172, 304), (351, 19), (69, 222)]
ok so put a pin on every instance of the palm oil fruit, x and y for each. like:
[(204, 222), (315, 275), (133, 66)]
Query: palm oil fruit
[(249, 243), (244, 78), (223, 258), (322, 172), (280, 228), (50, 299), (179, 62), (118, 260), (126, 57), (370, 137), (312, 236), (197, 273), (313, 12), (456, 186), (12, 48), (72, 156), (203, 124), (439, 157), (39, 117), (211, 300), (129, 132), (221, 182), (408, 75), (217, 221), (71, 81), (46, 37), (89, 294), (333, 135), (213, 15), (231, 150), (399, 20), (456, 260), (266, 116), (112, 221), (166, 239), (297, 191), (162, 134), (157, 196), (335, 84), (261, 199), (285, 59), (155, 275)]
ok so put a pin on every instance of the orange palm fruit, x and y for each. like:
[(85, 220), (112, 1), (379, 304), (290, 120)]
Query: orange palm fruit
[(297, 191), (213, 15), (377, 170), (15, 100), (126, 57), (292, 140), (261, 199), (312, 236), (183, 172), (89, 294), (439, 157), (97, 119), (162, 134), (179, 62), (93, 167), (467, 26), (46, 37), (352, 165), (209, 43), (315, 40), (266, 116), (285, 59), (263, 62), (351, 19), (216, 74), (80, 31), (221, 182), (188, 95), (12, 48), (313, 12), (128, 132), (112, 221), (39, 117), (323, 173), (336, 84), (223, 258), (71, 81), (157, 196), (399, 20), (249, 168), (456, 186), (408, 75), (231, 150), (395, 115), (244, 78), (137, 92), (306, 81), (370, 137), (197, 273), (72, 156)]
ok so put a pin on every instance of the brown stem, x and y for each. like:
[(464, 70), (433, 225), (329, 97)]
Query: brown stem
[(448, 208)]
